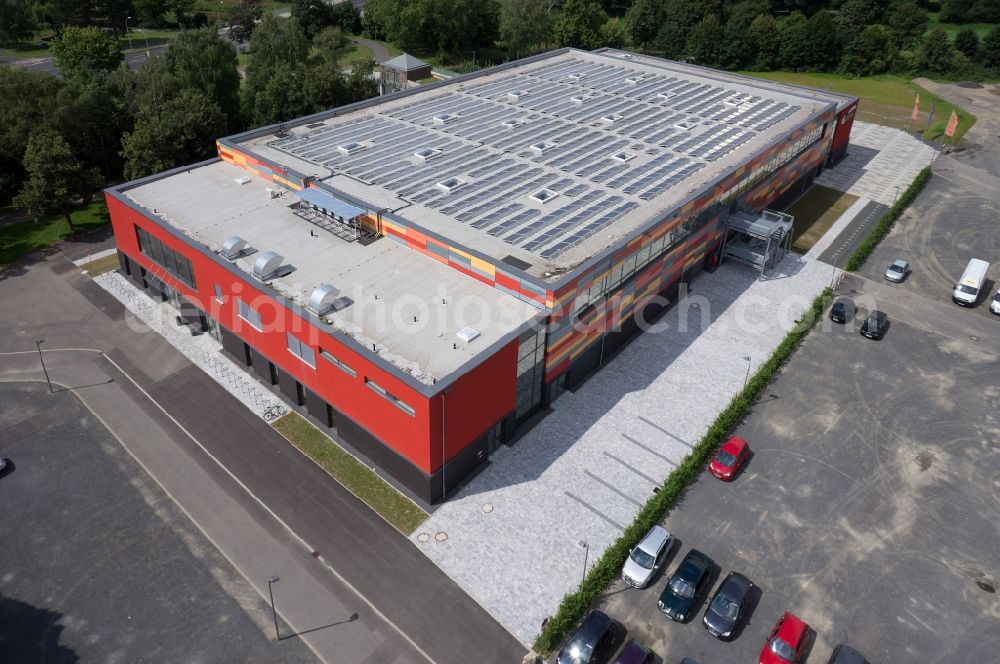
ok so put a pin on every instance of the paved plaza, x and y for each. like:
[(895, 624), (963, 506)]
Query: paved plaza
[(879, 159), (512, 537)]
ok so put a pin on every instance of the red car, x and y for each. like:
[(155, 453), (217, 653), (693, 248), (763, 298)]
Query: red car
[(787, 642), (729, 459)]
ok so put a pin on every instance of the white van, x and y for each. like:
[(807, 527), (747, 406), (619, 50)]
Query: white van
[(968, 287)]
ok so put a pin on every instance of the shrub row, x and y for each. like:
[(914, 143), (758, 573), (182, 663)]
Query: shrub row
[(865, 249), (607, 568)]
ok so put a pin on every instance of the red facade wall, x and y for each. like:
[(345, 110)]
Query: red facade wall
[(474, 403), (408, 435)]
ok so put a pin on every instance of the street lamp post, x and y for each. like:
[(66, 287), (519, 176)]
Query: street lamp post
[(38, 345), (127, 33), (586, 553), (746, 379), (274, 612)]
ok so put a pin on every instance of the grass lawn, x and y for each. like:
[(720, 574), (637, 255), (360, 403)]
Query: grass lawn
[(101, 265), (886, 99), (25, 237), (23, 50), (814, 213), (356, 477), (357, 53), (981, 29)]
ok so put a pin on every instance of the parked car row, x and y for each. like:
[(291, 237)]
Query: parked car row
[(968, 288), (874, 326), (726, 610)]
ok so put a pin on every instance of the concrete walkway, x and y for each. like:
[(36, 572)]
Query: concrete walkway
[(512, 537), (379, 52), (881, 163)]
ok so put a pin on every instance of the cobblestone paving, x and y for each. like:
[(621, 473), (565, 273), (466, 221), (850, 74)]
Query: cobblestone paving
[(878, 160), (512, 537)]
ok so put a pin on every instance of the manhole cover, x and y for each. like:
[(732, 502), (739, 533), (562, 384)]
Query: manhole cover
[(441, 536), (974, 337), (986, 587), (487, 508), (423, 537)]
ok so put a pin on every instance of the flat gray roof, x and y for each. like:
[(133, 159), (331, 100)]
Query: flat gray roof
[(385, 284), (550, 161)]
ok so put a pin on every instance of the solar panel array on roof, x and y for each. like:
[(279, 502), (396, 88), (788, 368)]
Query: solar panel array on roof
[(600, 137)]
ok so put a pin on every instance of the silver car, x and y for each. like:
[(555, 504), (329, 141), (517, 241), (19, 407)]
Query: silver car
[(898, 270), (647, 557)]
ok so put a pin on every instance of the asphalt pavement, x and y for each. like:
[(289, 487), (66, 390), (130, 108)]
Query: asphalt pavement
[(99, 564), (869, 505), (408, 609), (133, 59)]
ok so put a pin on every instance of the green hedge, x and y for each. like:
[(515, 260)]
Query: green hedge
[(865, 249), (608, 567)]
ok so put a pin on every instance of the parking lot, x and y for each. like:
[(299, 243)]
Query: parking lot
[(946, 225), (869, 507), (98, 564)]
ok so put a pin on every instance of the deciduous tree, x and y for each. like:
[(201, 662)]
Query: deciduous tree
[(56, 180), (81, 52), (967, 43), (705, 41), (580, 24), (907, 22), (243, 19), (765, 39), (936, 54), (201, 60), (184, 131), (525, 26), (643, 20)]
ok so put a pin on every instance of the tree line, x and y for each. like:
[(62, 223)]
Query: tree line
[(101, 122), (854, 37)]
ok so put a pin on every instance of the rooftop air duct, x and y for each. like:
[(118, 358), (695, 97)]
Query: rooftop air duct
[(323, 299), (267, 266), (233, 247)]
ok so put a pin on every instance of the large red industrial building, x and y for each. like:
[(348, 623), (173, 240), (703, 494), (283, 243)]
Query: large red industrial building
[(423, 273)]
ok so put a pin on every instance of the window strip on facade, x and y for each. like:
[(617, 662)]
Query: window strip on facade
[(251, 316), (378, 389), (337, 363), (301, 350), (171, 261)]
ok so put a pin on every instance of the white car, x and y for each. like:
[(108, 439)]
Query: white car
[(995, 303), (897, 271), (647, 557)]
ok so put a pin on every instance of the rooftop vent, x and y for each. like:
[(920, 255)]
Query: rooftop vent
[(467, 334), (350, 148), (242, 180), (576, 77), (579, 99), (267, 266), (665, 95), (626, 56), (323, 299), (634, 80), (233, 247), (451, 184), (612, 118), (510, 123), (542, 146), (543, 195), (426, 153), (684, 125), (520, 94), (623, 156), (445, 118)]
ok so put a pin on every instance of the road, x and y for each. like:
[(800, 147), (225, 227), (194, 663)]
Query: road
[(261, 502), (46, 65), (379, 52)]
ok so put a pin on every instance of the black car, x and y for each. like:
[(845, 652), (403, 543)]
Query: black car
[(875, 325), (682, 591), (842, 310), (726, 608), (593, 642), (846, 655)]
